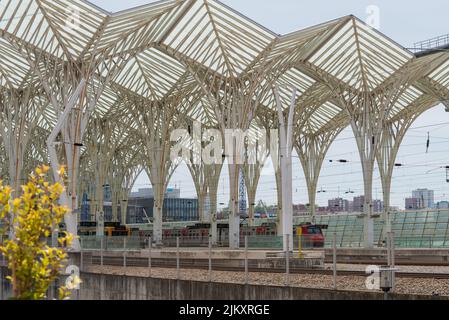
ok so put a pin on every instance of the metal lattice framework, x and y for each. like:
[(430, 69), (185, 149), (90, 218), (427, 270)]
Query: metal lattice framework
[(107, 89)]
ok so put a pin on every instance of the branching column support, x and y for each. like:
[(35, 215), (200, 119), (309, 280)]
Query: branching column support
[(368, 114), (257, 155), (70, 218), (252, 177), (206, 171), (155, 120), (369, 108), (312, 149), (234, 102), (129, 179), (393, 134), (13, 113), (36, 153), (197, 168), (234, 96), (20, 111), (101, 144), (391, 141), (269, 121), (199, 180), (59, 80), (125, 168), (4, 171)]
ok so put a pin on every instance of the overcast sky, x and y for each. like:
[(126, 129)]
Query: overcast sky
[(404, 21)]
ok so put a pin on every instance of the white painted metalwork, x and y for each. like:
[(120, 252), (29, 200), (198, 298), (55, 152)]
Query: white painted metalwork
[(148, 70)]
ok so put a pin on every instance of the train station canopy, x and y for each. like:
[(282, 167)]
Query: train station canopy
[(185, 43)]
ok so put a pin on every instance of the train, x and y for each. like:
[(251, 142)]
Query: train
[(111, 229), (311, 235)]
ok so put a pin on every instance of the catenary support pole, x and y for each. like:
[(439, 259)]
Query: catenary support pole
[(210, 259), (177, 259), (101, 250), (246, 260), (334, 246), (150, 245), (287, 261)]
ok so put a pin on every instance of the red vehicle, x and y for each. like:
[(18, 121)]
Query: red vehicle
[(311, 235)]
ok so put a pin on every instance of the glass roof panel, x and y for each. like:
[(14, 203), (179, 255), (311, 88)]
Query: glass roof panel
[(13, 67), (293, 78), (215, 36), (408, 97), (26, 21), (441, 75), (74, 22), (323, 115), (360, 56), (146, 24), (151, 74)]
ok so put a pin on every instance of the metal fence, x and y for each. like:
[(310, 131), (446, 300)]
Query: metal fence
[(138, 243), (207, 260), (413, 229)]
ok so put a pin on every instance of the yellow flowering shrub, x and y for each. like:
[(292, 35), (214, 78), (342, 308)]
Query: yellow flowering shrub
[(33, 263)]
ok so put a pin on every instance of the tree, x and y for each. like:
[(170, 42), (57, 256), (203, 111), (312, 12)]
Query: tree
[(33, 264)]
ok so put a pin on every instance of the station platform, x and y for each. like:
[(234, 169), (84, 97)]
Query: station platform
[(378, 256), (224, 257)]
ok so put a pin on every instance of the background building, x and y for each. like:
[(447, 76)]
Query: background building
[(443, 205), (426, 196), (414, 204), (378, 206), (140, 207), (358, 203), (338, 205), (148, 193)]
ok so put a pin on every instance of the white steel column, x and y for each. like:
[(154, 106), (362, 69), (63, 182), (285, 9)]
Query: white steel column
[(213, 173), (70, 218), (286, 147)]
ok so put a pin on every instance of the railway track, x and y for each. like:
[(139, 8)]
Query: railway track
[(171, 264)]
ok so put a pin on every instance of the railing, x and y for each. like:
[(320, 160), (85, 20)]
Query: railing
[(422, 242), (255, 242), (138, 243), (113, 243), (433, 43)]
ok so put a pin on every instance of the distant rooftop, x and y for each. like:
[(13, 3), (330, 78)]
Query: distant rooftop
[(147, 193)]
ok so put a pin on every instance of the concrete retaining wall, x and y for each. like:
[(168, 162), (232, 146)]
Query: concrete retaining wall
[(118, 287)]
